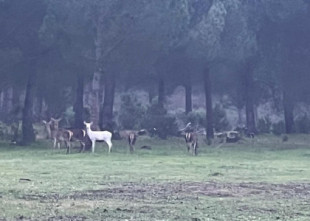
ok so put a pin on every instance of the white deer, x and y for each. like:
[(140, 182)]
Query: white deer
[(98, 135)]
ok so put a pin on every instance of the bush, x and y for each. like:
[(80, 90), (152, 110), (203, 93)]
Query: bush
[(219, 118), (302, 124), (4, 131), (68, 117), (197, 117), (131, 112), (264, 125), (278, 128), (157, 117)]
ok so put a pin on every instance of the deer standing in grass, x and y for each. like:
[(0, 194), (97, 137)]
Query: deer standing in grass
[(131, 136), (58, 135), (79, 135), (191, 140), (61, 135), (98, 135)]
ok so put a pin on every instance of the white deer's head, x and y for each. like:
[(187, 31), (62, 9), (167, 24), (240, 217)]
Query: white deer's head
[(88, 125)]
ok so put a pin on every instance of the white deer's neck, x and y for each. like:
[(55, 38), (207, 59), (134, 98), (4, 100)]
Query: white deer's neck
[(88, 130)]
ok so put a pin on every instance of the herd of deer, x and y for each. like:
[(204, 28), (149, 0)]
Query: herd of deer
[(66, 136), (84, 137)]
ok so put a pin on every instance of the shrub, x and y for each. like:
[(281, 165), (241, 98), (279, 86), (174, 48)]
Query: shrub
[(278, 128), (4, 131), (302, 124), (264, 125), (196, 117), (131, 112), (219, 118), (157, 117), (68, 117)]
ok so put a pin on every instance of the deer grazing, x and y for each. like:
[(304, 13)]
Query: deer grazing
[(98, 136)]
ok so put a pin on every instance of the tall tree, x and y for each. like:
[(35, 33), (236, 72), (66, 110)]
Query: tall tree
[(206, 42), (21, 27), (68, 30)]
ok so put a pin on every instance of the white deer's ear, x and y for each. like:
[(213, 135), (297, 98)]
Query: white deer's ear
[(59, 119), (53, 119), (43, 121), (84, 123), (91, 123)]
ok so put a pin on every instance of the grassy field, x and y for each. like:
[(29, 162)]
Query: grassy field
[(264, 180)]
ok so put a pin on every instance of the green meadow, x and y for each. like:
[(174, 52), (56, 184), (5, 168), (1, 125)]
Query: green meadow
[(264, 179)]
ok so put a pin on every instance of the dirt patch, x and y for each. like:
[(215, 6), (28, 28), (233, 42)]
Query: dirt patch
[(185, 190), (176, 200)]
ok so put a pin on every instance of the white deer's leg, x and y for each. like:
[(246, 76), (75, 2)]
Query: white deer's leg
[(93, 142), (110, 145), (55, 143)]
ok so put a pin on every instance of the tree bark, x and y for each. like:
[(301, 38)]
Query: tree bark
[(161, 92), (188, 97), (7, 104), (249, 99), (17, 106), (28, 135), (240, 120), (79, 105), (288, 113), (106, 113), (209, 110), (40, 101), (151, 96)]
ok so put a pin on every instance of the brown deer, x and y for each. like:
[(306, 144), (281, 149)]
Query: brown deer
[(191, 140), (79, 135), (60, 135), (131, 136), (47, 127)]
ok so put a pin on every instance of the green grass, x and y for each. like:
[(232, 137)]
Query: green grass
[(266, 180)]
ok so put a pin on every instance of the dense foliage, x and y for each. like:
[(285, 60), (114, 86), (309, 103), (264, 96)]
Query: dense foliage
[(60, 56)]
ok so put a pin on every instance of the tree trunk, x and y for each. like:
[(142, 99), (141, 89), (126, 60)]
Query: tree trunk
[(17, 106), (249, 99), (1, 104), (161, 92), (151, 94), (188, 97), (209, 110), (107, 109), (40, 101), (78, 106), (7, 104), (288, 113), (240, 119), (28, 135)]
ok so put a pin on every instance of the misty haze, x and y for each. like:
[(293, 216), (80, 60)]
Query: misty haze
[(154, 110)]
